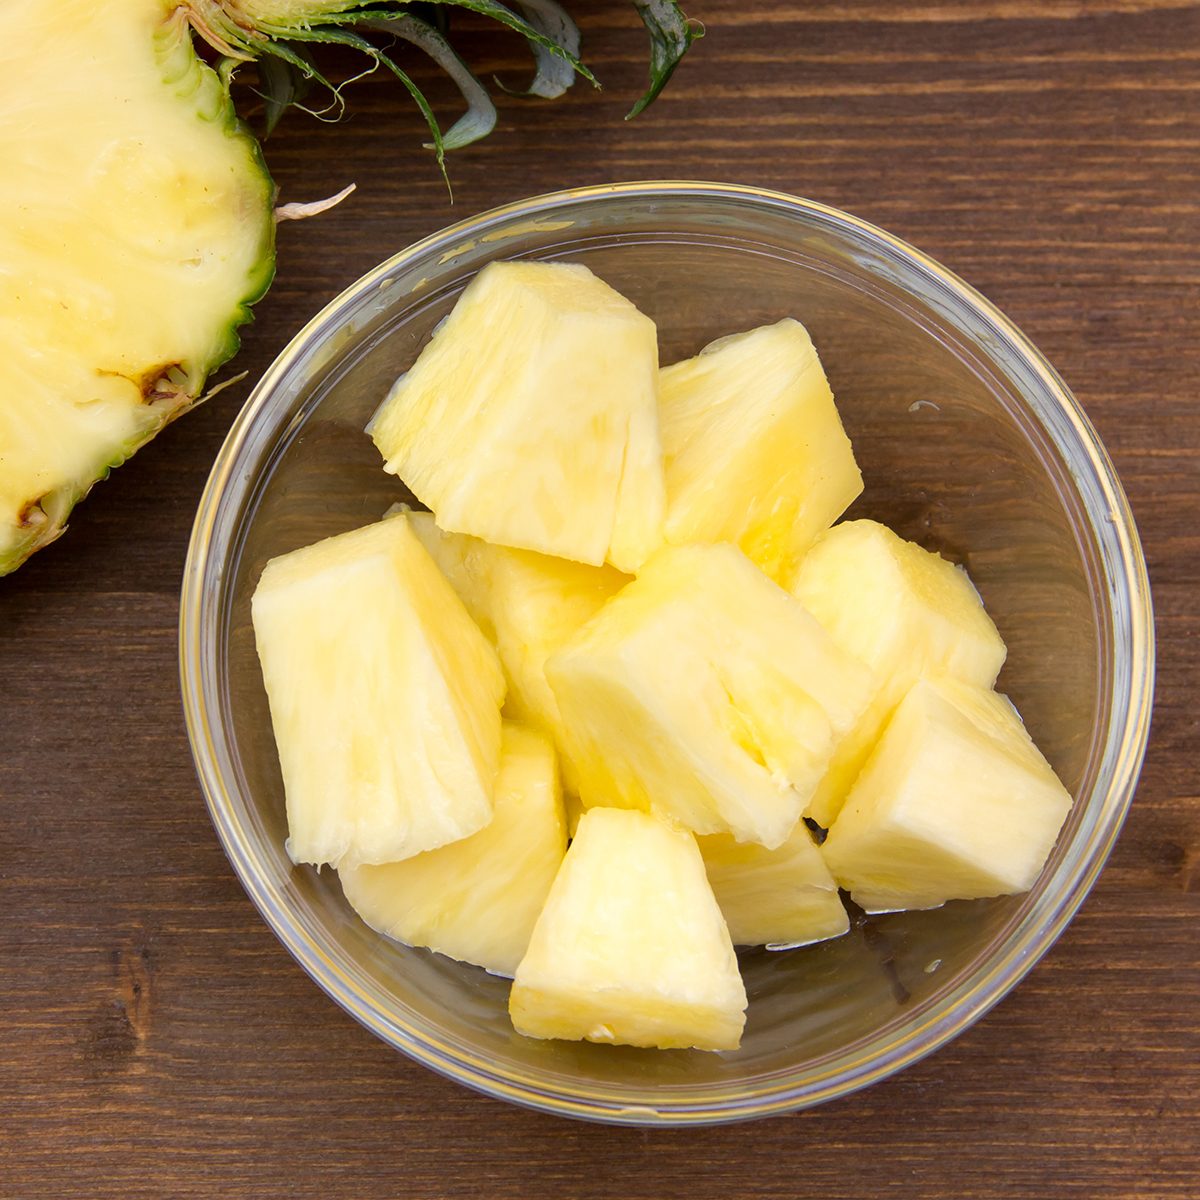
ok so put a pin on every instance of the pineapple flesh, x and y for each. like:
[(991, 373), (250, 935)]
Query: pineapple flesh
[(754, 451), (905, 612), (477, 899), (135, 230), (530, 419), (955, 803), (704, 691), (779, 898), (528, 605), (385, 698), (631, 947)]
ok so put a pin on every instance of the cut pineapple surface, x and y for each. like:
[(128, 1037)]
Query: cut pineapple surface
[(477, 899), (754, 449), (704, 691), (135, 231), (530, 419), (905, 612), (780, 898), (631, 947), (528, 604), (385, 698), (955, 803)]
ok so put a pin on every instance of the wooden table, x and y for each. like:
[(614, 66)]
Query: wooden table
[(156, 1041)]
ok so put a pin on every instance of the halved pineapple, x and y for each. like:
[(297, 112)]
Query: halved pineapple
[(631, 947), (780, 898), (706, 692), (135, 231), (477, 899), (754, 449), (528, 604), (385, 698), (905, 612), (530, 419), (955, 803)]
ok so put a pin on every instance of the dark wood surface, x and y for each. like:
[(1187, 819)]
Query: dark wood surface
[(156, 1041)]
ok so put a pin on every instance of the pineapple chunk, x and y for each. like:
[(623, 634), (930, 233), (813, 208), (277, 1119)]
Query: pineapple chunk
[(905, 612), (778, 898), (385, 698), (706, 692), (477, 899), (631, 947), (956, 802), (528, 604), (754, 450), (531, 418)]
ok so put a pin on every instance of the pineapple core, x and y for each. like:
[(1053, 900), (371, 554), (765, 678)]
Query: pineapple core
[(905, 612), (956, 803), (531, 418), (779, 898), (631, 946), (706, 692), (754, 450), (385, 698), (528, 604), (477, 899)]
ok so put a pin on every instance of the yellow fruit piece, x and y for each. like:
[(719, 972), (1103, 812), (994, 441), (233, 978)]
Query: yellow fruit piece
[(905, 612), (704, 691), (754, 450), (528, 604), (779, 898), (531, 419), (956, 802), (631, 947), (385, 698), (477, 899)]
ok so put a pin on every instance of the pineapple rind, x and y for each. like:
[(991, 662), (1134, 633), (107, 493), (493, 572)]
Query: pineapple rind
[(477, 899), (955, 803), (385, 698), (162, 196), (631, 946)]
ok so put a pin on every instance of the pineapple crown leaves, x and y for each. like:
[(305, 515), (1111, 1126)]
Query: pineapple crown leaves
[(277, 33)]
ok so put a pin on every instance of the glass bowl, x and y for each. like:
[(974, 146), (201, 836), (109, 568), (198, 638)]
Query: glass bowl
[(969, 444)]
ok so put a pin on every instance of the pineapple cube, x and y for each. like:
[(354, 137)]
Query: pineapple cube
[(779, 898), (631, 947), (531, 418), (477, 899), (528, 604), (753, 448), (955, 803), (704, 691), (385, 698), (905, 612)]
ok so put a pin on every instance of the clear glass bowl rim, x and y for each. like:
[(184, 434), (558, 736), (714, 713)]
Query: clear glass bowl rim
[(1132, 650)]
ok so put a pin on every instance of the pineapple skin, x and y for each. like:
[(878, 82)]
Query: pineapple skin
[(631, 947), (705, 692), (527, 605), (477, 899), (530, 419), (754, 451), (780, 898), (385, 698), (905, 612), (163, 200), (955, 803)]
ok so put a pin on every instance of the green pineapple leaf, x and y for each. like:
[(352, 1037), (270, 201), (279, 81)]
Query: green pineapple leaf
[(671, 33)]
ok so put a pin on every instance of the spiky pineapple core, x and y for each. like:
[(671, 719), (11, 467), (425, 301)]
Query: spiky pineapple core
[(135, 228)]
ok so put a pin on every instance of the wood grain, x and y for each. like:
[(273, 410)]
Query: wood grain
[(155, 1040)]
